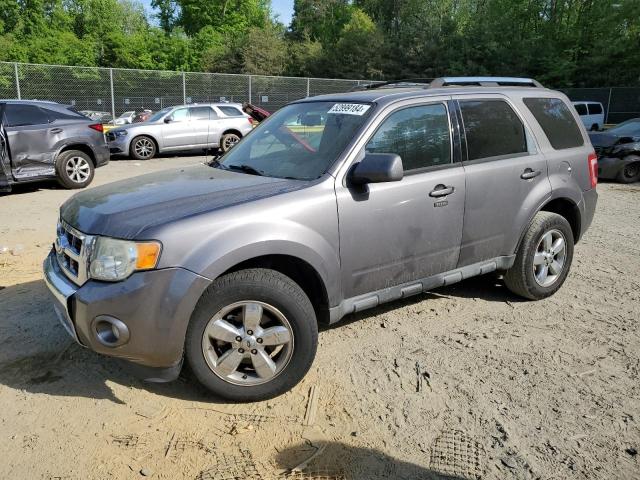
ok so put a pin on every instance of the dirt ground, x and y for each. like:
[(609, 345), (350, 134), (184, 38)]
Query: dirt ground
[(466, 382)]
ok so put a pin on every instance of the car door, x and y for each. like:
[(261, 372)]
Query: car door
[(201, 122), (178, 131), (506, 177), (393, 233), (31, 139)]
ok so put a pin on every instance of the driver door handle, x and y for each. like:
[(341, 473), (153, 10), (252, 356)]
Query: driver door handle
[(529, 174), (441, 191), (55, 131)]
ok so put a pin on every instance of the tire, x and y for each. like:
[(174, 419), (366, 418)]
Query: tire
[(143, 148), (221, 313), (630, 173), (228, 141), (74, 169), (527, 280)]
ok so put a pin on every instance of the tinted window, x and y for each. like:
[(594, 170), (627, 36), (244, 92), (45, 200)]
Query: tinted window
[(64, 114), (200, 113), (556, 120), (24, 115), (581, 108), (231, 111), (493, 129), (180, 115), (420, 135), (595, 109)]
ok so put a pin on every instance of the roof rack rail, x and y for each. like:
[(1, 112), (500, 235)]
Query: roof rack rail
[(407, 82), (485, 82)]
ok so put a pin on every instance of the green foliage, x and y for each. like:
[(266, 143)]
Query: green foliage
[(562, 43)]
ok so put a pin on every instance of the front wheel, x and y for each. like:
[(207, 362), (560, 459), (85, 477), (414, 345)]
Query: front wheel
[(630, 173), (543, 259), (252, 336), (143, 148), (74, 169)]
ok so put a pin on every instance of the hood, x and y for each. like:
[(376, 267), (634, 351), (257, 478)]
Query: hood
[(127, 208), (603, 139)]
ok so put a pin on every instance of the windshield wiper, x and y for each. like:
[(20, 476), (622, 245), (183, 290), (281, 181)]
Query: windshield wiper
[(245, 169)]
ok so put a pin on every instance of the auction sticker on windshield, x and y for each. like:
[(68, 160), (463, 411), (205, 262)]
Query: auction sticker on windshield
[(350, 109)]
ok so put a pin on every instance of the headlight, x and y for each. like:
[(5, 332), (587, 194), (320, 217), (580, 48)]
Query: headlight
[(113, 260), (120, 133)]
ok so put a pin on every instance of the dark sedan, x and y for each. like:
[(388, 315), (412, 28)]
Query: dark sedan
[(618, 152)]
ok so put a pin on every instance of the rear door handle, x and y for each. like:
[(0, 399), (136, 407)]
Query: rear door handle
[(528, 174), (441, 191), (55, 131)]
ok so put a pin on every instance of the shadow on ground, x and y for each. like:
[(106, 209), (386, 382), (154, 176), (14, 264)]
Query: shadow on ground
[(342, 461), (37, 355)]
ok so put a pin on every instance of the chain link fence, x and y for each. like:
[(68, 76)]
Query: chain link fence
[(116, 91)]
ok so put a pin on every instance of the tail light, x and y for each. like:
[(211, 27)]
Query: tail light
[(97, 127), (250, 120), (593, 169)]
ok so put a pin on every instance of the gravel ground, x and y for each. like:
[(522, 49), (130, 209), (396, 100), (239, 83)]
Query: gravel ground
[(465, 382)]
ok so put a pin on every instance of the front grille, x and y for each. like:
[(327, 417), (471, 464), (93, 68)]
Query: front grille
[(73, 249)]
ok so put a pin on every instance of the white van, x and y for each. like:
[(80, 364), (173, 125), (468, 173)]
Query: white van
[(591, 114)]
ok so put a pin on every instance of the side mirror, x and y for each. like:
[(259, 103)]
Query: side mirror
[(168, 119), (378, 168)]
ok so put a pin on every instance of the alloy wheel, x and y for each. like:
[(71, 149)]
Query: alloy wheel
[(549, 259), (144, 148), (248, 343), (230, 141), (78, 169)]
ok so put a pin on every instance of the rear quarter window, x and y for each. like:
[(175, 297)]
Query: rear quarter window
[(581, 108), (231, 111), (556, 121), (595, 109)]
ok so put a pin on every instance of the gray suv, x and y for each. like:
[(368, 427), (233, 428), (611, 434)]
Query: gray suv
[(333, 205), (44, 140), (186, 127)]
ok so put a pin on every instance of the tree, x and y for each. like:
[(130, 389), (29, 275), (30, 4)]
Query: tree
[(264, 51)]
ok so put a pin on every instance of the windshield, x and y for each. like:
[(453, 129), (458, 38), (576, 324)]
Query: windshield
[(300, 141), (630, 127), (158, 115)]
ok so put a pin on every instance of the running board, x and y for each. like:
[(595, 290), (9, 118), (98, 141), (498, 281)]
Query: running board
[(371, 300)]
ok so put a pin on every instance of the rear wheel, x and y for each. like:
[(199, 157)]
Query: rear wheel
[(74, 169), (595, 127), (228, 141), (143, 148), (544, 258), (630, 173), (252, 336)]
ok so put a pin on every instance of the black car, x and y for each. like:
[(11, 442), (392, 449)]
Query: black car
[(46, 140), (618, 151)]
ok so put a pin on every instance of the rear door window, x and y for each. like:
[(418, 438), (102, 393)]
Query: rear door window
[(556, 121), (420, 135), (581, 108), (201, 113), (25, 115), (492, 129), (595, 109), (66, 114)]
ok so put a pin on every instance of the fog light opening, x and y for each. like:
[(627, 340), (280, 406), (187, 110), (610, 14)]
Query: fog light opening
[(110, 331)]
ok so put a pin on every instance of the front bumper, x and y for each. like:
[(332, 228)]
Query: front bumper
[(156, 307), (609, 167), (119, 145)]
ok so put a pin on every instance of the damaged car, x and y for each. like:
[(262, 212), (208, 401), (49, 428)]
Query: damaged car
[(46, 140), (618, 152)]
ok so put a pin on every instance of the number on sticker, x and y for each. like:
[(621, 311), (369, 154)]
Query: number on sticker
[(349, 109)]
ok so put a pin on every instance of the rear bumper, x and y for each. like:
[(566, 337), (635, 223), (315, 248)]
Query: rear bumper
[(155, 306), (102, 155)]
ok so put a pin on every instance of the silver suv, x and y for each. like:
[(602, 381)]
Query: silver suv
[(333, 205), (186, 127)]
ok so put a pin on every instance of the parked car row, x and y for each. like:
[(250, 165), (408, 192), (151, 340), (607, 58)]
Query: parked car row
[(43, 140)]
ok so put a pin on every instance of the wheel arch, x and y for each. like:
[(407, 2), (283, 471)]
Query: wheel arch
[(233, 130), (81, 147), (300, 271), (152, 137), (566, 208)]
